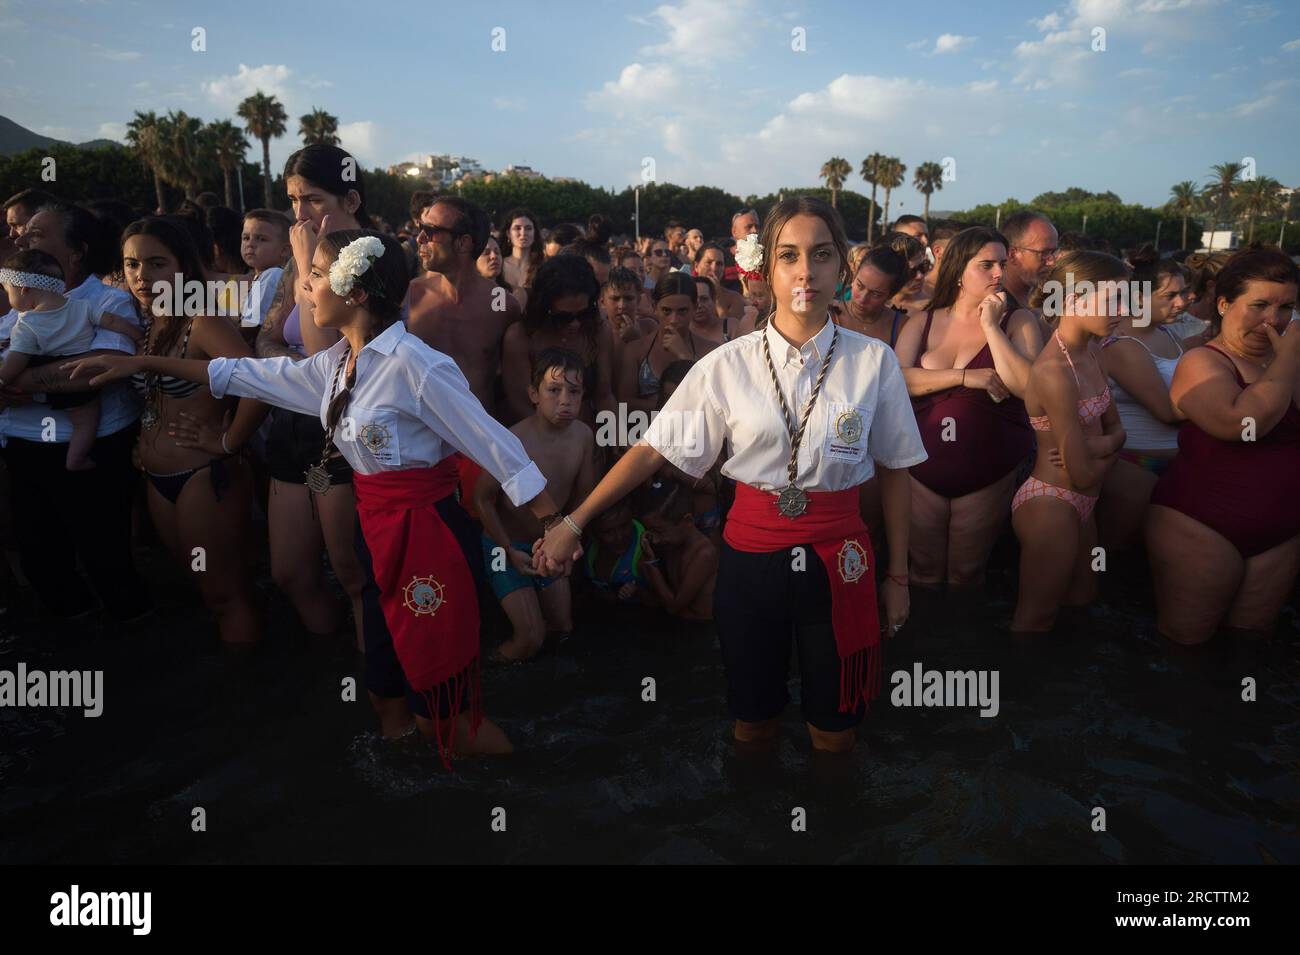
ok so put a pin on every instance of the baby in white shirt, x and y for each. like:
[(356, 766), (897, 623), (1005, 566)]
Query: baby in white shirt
[(51, 326)]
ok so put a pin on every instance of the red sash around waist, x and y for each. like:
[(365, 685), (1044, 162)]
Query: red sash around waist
[(426, 589), (832, 525)]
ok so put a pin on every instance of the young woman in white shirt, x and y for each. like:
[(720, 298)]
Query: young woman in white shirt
[(397, 411), (796, 559)]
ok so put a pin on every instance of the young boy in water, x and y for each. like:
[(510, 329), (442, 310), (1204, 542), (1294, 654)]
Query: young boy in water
[(679, 563), (612, 561), (563, 448)]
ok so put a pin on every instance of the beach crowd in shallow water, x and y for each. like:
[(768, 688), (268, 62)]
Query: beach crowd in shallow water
[(592, 418)]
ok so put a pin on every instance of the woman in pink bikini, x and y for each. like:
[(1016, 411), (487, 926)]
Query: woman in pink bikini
[(1079, 437)]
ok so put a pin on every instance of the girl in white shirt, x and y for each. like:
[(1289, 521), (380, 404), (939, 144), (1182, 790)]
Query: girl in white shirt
[(397, 411), (796, 556)]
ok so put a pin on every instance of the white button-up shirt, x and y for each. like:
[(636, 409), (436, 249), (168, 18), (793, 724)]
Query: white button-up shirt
[(119, 404), (863, 415), (411, 407)]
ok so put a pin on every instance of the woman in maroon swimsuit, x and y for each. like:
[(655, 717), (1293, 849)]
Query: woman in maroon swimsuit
[(1223, 529), (966, 368)]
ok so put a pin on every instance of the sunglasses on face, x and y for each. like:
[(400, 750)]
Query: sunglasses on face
[(923, 267), (563, 318), (429, 232)]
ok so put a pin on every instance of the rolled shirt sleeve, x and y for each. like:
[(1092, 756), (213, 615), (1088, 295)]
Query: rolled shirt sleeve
[(446, 405), (894, 441), (690, 429), (283, 382)]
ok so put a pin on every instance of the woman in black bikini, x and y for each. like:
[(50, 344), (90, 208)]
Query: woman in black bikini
[(676, 299), (200, 486)]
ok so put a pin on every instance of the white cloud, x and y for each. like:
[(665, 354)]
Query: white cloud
[(982, 86), (113, 131), (56, 132), (951, 43), (918, 45), (1292, 46), (360, 139), (506, 103), (706, 29), (1048, 23), (637, 88), (229, 91), (1257, 105), (117, 56)]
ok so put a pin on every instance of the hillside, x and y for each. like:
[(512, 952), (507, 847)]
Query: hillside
[(16, 139)]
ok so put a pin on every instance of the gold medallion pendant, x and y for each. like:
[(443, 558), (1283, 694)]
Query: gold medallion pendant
[(792, 501)]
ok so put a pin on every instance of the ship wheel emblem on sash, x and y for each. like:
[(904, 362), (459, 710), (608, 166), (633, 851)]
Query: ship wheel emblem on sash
[(423, 595), (852, 560)]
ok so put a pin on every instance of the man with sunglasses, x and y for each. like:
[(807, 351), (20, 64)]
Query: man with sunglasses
[(453, 308)]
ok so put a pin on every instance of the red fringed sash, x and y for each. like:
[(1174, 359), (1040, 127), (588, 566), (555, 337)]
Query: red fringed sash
[(832, 526), (426, 589)]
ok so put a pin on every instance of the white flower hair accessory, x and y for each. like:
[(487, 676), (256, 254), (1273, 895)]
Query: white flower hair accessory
[(749, 256), (353, 262)]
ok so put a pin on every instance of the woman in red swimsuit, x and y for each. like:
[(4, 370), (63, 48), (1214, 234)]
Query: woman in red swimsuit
[(1079, 438), (1223, 529), (966, 367)]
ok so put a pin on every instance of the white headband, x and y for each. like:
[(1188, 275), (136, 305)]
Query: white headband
[(31, 280)]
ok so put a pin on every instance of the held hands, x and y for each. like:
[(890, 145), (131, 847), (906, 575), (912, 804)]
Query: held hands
[(522, 561), (192, 432), (555, 554), (109, 368)]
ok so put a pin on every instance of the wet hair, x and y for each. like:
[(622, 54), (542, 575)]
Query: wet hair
[(30, 199), (963, 247), (534, 251), (557, 359), (322, 165), (786, 210), (175, 238), (566, 233), (85, 232), (598, 231), (1017, 225), (620, 277), (558, 276), (471, 220), (421, 199), (227, 227), (667, 501), (1255, 263), (36, 262), (893, 265), (1084, 265), (384, 283), (676, 283), (274, 216), (1202, 268)]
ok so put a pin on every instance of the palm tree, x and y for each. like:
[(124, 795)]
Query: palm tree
[(927, 179), (870, 172), (835, 170), (319, 127), (1222, 187), (265, 119), (186, 152), (229, 145), (143, 135), (1258, 198), (891, 177), (1182, 202)]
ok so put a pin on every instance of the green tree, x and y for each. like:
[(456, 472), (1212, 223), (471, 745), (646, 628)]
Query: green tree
[(229, 146), (928, 179), (1183, 199), (265, 119), (318, 127), (145, 138), (891, 177), (870, 172), (834, 171), (1222, 188), (1258, 198)]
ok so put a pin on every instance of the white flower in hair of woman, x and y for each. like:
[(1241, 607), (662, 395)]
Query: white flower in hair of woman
[(353, 261)]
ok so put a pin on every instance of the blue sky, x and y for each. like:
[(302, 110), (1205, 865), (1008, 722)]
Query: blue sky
[(1013, 92)]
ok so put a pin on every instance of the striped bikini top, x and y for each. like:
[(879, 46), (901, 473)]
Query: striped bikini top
[(1090, 409), (169, 386)]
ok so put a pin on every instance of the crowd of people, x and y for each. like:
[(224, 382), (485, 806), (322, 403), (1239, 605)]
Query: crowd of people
[(499, 400)]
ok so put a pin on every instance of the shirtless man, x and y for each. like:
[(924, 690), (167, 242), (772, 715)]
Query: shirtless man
[(563, 448), (453, 308)]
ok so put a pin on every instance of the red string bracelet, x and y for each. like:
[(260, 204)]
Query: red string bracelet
[(900, 579)]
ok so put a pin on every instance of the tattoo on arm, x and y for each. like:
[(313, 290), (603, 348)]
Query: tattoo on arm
[(269, 344)]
